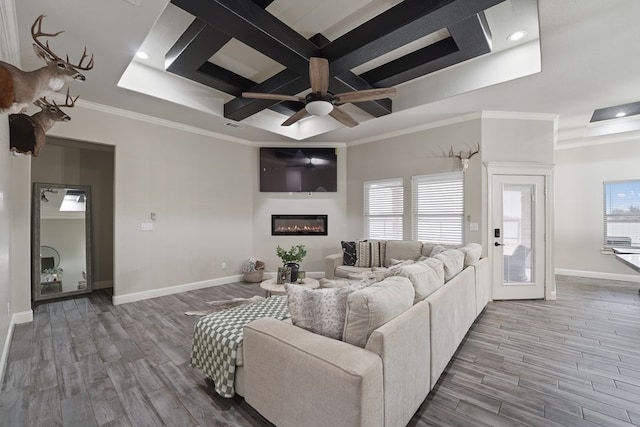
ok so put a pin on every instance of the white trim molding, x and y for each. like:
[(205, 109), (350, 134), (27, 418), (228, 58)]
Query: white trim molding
[(16, 319), (533, 169), (9, 39), (599, 275), (170, 290)]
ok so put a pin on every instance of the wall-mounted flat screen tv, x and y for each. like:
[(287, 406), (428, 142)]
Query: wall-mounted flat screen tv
[(298, 169)]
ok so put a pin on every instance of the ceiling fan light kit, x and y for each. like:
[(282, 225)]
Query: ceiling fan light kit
[(319, 108)]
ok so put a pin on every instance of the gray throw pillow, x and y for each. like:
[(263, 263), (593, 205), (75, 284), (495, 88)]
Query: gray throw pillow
[(321, 311)]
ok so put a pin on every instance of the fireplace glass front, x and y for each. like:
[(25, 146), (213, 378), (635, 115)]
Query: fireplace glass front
[(295, 225)]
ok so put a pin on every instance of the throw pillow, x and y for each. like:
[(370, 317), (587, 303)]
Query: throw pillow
[(367, 254), (348, 253), (453, 261), (437, 250), (375, 305), (472, 253), (321, 311)]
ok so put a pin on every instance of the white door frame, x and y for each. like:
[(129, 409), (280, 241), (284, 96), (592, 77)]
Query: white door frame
[(529, 169)]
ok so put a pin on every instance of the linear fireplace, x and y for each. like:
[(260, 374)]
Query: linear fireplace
[(296, 225)]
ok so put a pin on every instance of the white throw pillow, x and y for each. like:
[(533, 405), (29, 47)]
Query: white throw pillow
[(472, 253), (321, 311), (453, 261)]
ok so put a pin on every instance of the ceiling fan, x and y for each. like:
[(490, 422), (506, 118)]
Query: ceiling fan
[(320, 102)]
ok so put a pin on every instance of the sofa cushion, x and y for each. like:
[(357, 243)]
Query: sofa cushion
[(401, 250), (453, 261), (344, 271), (367, 254), (472, 253), (348, 253), (321, 311), (425, 276), (375, 305), (337, 283)]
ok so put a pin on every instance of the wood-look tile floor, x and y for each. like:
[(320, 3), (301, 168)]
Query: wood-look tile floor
[(85, 362)]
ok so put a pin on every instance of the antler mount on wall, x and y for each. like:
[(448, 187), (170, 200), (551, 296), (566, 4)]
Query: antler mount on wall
[(21, 89)]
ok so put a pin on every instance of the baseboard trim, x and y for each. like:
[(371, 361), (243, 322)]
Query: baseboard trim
[(22, 317), (170, 290), (16, 319), (599, 275)]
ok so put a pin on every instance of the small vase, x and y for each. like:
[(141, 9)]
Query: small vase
[(294, 271)]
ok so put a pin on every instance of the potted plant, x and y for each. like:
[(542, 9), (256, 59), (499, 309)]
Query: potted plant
[(291, 258), (253, 270)]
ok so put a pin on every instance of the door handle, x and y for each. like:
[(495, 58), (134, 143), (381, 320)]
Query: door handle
[(498, 244)]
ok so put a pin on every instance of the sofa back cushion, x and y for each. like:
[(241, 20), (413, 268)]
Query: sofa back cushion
[(375, 305), (321, 311), (453, 261), (472, 253), (400, 250), (426, 276)]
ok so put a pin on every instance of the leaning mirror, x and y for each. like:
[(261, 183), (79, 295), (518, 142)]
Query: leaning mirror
[(61, 241)]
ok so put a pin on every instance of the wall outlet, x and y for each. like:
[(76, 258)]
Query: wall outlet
[(146, 226), (473, 226), (223, 266)]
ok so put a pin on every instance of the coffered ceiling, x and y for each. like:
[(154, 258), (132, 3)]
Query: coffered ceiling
[(446, 58)]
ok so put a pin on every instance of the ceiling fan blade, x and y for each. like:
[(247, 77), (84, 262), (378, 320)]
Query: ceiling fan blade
[(319, 75), (274, 96), (295, 117), (343, 117), (365, 95)]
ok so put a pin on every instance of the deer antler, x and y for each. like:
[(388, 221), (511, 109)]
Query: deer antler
[(35, 34), (84, 56), (66, 101), (38, 33), (475, 152)]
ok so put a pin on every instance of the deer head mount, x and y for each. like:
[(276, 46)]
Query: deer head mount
[(464, 156), (30, 131), (28, 86)]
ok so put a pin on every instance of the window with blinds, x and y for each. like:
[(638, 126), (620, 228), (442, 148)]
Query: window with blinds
[(622, 213), (383, 209), (438, 208)]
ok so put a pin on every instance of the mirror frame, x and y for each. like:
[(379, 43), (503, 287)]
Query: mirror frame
[(36, 266)]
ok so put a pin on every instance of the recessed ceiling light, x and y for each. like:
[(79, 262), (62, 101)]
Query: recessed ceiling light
[(517, 35), (142, 55), (616, 111)]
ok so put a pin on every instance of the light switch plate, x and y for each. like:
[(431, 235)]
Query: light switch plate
[(146, 226)]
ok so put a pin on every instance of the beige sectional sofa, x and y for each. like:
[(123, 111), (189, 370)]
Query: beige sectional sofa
[(296, 377)]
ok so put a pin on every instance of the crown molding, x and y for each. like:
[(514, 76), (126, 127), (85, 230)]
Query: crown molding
[(153, 120), (602, 140), (416, 129)]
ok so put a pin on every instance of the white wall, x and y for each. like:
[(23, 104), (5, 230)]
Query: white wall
[(266, 204), (579, 176), (420, 153), (199, 187)]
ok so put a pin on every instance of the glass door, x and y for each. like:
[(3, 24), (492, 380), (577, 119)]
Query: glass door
[(518, 237)]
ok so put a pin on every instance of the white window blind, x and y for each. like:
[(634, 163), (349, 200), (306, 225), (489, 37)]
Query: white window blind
[(383, 209), (622, 213), (438, 208)]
